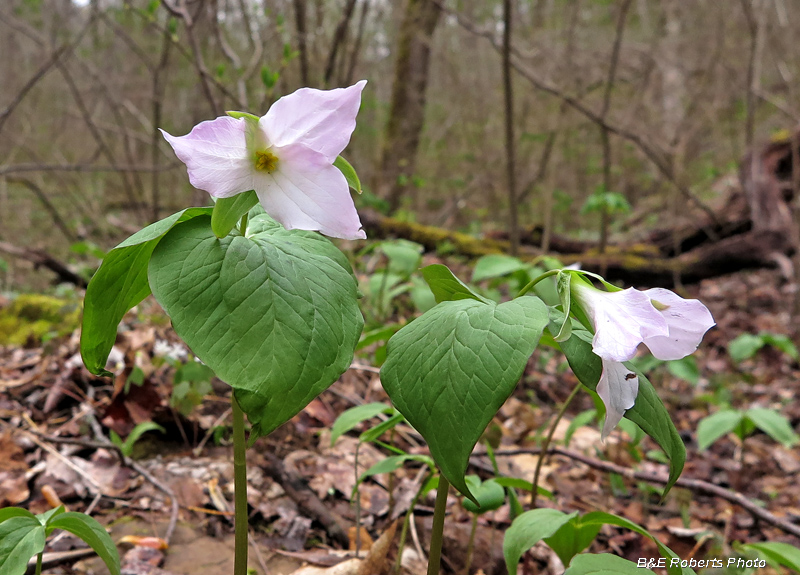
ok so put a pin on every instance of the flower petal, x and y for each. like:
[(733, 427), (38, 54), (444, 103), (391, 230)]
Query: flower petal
[(322, 120), (306, 192), (618, 388), (688, 320), (216, 157), (622, 320)]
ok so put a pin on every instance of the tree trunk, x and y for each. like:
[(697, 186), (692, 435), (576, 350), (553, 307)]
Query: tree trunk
[(407, 110)]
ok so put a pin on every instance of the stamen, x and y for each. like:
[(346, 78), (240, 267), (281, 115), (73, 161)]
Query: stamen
[(266, 161)]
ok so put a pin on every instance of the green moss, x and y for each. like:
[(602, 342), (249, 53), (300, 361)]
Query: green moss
[(34, 318)]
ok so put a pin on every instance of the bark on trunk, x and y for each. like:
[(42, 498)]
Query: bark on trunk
[(407, 110)]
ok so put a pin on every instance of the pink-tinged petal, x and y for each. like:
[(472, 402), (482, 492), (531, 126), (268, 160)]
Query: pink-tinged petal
[(216, 157), (322, 120), (618, 388), (688, 320), (622, 319), (306, 192)]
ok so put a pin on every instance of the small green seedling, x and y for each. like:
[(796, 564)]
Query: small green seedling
[(23, 536), (490, 495), (743, 423), (747, 345), (191, 384), (126, 447)]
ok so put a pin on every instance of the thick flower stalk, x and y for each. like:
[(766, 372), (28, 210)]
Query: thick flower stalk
[(670, 326), (286, 156)]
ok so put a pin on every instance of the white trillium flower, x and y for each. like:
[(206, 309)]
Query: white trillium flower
[(621, 319), (688, 320), (618, 388), (670, 326), (286, 157)]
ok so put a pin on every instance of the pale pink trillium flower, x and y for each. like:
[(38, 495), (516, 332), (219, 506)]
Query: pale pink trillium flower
[(670, 326), (286, 157)]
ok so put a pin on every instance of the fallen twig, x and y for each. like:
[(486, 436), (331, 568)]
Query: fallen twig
[(98, 431), (308, 502)]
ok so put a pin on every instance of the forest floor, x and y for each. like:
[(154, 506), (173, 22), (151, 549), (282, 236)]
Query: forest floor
[(55, 418)]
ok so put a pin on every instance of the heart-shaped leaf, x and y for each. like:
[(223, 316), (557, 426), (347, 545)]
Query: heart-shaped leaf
[(274, 314), (449, 371)]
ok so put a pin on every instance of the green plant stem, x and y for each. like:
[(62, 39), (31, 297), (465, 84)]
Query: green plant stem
[(406, 523), (240, 490), (471, 544), (437, 531), (546, 444), (39, 564), (535, 281), (243, 224)]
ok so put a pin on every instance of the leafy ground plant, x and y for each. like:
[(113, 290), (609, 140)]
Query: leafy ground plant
[(23, 536)]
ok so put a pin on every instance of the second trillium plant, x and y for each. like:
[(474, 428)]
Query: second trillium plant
[(272, 306)]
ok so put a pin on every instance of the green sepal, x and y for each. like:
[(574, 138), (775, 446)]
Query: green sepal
[(228, 211), (446, 286), (349, 173), (245, 115), (564, 294)]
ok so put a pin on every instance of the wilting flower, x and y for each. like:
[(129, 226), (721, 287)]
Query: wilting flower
[(286, 156), (670, 326)]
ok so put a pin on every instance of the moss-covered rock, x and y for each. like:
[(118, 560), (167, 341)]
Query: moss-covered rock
[(33, 318)]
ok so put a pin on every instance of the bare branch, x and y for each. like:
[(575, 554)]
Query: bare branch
[(655, 156), (338, 39)]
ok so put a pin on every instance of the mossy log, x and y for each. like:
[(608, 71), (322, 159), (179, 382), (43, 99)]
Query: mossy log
[(752, 227)]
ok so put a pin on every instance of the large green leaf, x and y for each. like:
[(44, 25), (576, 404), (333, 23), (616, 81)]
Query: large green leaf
[(528, 529), (119, 284), (94, 534), (449, 371), (274, 314), (21, 538), (604, 564), (648, 412)]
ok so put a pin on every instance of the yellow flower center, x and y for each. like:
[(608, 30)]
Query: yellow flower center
[(266, 161)]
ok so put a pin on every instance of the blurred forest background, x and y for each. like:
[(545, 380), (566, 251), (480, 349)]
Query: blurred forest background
[(644, 104)]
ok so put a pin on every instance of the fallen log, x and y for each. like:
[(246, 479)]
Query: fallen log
[(753, 228), (40, 258)]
